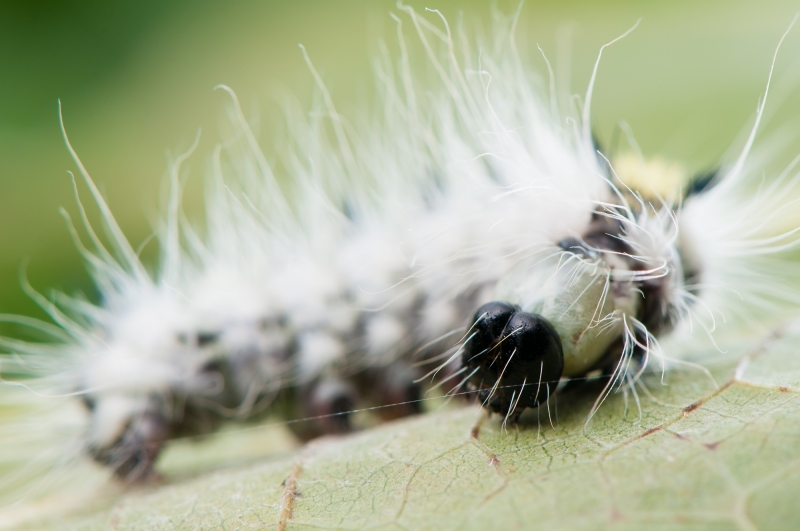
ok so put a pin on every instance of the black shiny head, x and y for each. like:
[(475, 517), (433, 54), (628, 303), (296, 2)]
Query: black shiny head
[(516, 358)]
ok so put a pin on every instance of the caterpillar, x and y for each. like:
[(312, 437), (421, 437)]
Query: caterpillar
[(472, 235)]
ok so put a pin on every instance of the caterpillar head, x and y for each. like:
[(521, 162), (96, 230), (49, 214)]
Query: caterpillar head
[(595, 300), (517, 355)]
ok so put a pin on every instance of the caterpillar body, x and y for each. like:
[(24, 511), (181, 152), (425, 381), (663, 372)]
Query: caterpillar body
[(473, 232)]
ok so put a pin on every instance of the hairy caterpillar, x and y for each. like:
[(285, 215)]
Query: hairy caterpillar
[(382, 250)]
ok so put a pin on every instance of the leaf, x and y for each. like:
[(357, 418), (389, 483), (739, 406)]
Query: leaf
[(700, 457)]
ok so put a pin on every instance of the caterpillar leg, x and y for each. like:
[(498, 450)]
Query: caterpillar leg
[(393, 386), (327, 406), (131, 449)]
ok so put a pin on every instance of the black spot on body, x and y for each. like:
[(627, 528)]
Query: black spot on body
[(702, 182), (206, 338)]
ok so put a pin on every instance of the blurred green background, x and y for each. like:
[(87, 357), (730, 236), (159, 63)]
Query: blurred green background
[(136, 80)]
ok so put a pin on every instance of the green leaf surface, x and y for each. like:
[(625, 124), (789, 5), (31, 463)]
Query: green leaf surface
[(700, 456)]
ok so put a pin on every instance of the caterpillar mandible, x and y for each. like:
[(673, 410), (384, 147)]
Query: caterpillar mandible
[(474, 232)]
